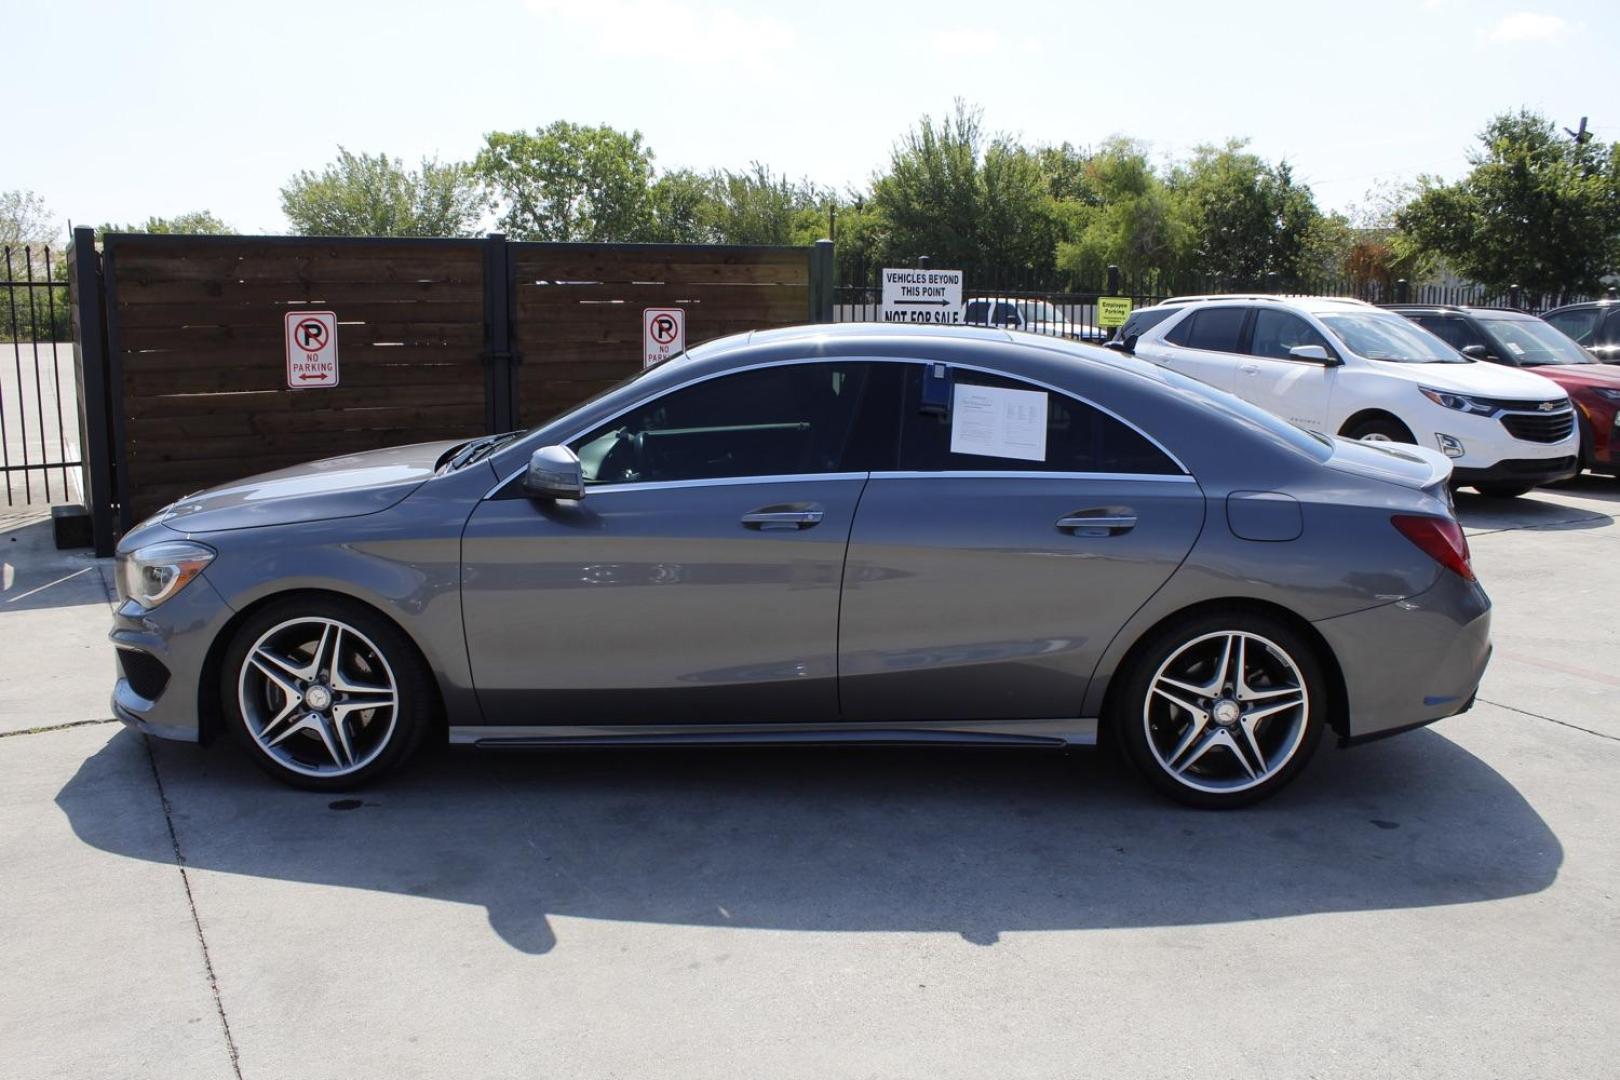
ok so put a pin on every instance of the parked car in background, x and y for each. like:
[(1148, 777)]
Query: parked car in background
[(1031, 315), (1594, 325), (1516, 339), (828, 535), (1344, 367), (1137, 323)]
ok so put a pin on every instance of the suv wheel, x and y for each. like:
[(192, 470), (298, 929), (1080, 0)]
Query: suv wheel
[(1380, 429)]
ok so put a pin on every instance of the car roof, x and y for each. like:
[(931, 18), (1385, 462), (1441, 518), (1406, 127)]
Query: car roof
[(1329, 302), (1463, 309), (1582, 305)]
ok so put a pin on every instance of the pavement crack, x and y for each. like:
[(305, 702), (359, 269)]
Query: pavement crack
[(58, 727), (1552, 720), (191, 902)]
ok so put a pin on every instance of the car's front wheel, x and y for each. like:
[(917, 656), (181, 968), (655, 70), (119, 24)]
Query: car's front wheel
[(326, 693), (1223, 709)]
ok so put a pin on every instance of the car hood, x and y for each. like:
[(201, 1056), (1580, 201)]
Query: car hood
[(1579, 376), (1396, 463), (338, 487), (1477, 377)]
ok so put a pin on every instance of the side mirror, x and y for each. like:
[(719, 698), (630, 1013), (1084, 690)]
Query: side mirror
[(554, 473), (1476, 352), (1115, 344), (1314, 353)]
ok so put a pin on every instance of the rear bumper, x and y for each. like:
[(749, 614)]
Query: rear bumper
[(1412, 662), (1531, 471)]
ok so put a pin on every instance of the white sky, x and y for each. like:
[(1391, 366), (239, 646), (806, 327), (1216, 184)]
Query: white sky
[(121, 110)]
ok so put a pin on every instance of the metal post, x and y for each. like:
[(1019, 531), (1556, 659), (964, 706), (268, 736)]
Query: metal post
[(1271, 281), (85, 287), (1113, 280), (500, 366), (922, 262), (823, 269), (1513, 296)]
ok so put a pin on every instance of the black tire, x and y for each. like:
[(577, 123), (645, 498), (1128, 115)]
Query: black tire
[(1503, 491), (377, 740), (1380, 429), (1210, 776)]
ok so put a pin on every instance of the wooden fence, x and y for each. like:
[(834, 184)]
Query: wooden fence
[(436, 339)]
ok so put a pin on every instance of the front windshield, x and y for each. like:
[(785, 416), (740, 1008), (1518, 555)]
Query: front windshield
[(1381, 336), (1534, 343)]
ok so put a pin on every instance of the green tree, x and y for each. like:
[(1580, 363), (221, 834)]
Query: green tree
[(569, 182), (681, 208), (759, 207), (24, 220), (969, 200), (194, 223), (1249, 217), (1124, 216), (375, 195), (1536, 209)]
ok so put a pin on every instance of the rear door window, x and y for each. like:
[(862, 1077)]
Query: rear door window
[(1453, 330), (1211, 329), (1079, 437)]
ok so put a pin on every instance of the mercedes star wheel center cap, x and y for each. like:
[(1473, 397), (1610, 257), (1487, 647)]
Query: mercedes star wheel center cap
[(318, 698), (1226, 712)]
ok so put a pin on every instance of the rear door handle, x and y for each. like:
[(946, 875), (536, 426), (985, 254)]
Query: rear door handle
[(1099, 521), (1249, 369), (797, 516)]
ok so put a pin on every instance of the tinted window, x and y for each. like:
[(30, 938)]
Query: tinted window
[(1214, 329), (1451, 329), (1611, 330), (1004, 314), (977, 312), (1275, 332), (1140, 322), (1580, 324), (1079, 438), (768, 422)]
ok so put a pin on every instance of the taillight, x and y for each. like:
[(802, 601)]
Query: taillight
[(1441, 539)]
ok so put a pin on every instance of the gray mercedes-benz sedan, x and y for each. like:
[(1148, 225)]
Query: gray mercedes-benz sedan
[(855, 533)]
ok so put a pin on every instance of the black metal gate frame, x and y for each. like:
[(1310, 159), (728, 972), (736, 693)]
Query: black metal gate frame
[(37, 315)]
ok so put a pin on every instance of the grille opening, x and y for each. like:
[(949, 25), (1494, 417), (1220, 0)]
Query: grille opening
[(146, 674), (1540, 427)]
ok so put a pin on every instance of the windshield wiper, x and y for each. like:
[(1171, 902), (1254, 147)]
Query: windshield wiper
[(477, 449)]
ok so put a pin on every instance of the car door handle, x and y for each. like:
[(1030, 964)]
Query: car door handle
[(1249, 369), (1098, 521), (783, 517)]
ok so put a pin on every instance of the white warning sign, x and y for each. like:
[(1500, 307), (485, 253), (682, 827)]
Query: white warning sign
[(922, 296), (312, 353)]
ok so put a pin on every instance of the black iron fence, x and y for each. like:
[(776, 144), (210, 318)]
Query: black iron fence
[(1045, 305), (39, 426)]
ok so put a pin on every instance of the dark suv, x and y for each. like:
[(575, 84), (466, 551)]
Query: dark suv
[(1516, 339), (1594, 325)]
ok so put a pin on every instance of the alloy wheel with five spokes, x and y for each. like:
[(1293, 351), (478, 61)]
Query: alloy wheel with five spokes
[(318, 697)]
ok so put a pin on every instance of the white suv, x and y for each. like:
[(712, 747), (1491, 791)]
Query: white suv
[(1343, 367)]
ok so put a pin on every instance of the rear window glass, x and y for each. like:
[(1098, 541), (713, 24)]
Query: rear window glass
[(1214, 329), (1318, 447)]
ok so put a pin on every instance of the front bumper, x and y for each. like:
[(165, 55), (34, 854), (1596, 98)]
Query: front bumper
[(1532, 471), (161, 694), (1412, 662)]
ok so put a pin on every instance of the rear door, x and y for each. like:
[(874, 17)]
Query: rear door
[(1299, 391), (1205, 345), (985, 585)]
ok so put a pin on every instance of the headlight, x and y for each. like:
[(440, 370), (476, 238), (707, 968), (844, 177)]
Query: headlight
[(152, 574), (1606, 394), (1461, 402)]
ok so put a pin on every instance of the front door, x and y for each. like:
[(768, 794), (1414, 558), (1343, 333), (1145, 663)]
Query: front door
[(985, 578), (698, 580), (1299, 391)]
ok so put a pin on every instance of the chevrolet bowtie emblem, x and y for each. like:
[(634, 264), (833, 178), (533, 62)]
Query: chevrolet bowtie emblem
[(1548, 406)]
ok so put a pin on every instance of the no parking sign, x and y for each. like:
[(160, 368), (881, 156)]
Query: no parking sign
[(663, 334), (311, 349)]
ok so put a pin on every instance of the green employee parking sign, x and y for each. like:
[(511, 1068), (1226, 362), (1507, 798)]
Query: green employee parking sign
[(1113, 310)]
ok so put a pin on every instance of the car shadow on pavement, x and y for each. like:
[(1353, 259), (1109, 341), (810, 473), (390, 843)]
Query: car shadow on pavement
[(1478, 513), (972, 842)]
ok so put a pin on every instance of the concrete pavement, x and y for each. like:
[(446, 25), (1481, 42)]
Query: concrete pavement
[(1439, 904)]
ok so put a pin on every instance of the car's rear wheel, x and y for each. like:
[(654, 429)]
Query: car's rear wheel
[(1380, 429), (326, 693), (1222, 710), (1503, 491)]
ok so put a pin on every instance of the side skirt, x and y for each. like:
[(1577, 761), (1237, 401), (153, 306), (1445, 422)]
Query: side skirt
[(1052, 734)]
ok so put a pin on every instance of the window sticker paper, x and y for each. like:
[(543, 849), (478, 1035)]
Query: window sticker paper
[(994, 422)]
